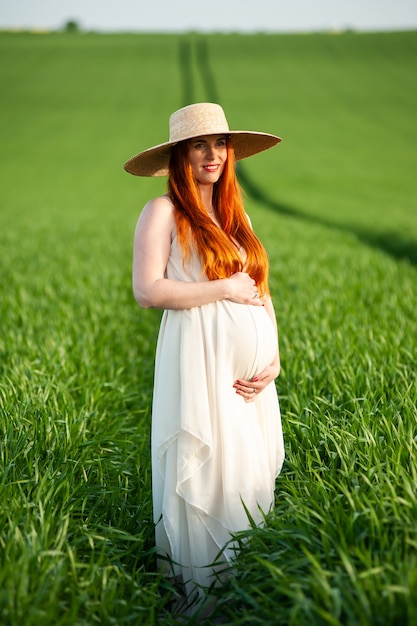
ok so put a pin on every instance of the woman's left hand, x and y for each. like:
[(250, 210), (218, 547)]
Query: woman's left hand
[(249, 389)]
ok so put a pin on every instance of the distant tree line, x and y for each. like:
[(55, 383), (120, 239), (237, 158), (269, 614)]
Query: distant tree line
[(71, 26)]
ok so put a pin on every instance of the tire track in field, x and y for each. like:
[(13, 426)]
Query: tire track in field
[(394, 244), (202, 59), (186, 71), (199, 52), (203, 63)]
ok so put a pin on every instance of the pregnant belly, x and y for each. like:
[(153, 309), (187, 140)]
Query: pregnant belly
[(246, 336)]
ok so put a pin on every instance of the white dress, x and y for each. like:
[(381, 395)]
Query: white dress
[(211, 451)]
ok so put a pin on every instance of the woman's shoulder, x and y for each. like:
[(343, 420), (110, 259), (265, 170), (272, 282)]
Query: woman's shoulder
[(160, 203), (160, 207), (158, 213)]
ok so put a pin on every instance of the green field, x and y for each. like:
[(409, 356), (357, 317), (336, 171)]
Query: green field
[(335, 205)]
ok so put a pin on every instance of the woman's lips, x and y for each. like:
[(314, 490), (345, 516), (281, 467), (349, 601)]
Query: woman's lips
[(211, 168)]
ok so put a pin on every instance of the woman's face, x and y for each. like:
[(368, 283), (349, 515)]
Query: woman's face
[(207, 155)]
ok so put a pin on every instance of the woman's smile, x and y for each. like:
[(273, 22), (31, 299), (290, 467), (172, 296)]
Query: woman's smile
[(211, 167)]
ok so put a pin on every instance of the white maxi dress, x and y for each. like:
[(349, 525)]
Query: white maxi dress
[(212, 453)]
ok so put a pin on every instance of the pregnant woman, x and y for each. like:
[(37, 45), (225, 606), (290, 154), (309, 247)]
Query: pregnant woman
[(217, 443)]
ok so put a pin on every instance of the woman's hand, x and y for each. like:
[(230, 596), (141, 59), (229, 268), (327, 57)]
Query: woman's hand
[(249, 389), (242, 289)]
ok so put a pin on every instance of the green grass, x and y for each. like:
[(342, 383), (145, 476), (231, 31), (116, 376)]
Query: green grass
[(335, 205)]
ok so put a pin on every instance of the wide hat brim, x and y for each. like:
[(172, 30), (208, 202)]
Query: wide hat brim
[(155, 161), (197, 120)]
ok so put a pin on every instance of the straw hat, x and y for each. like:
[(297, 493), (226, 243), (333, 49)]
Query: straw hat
[(197, 120)]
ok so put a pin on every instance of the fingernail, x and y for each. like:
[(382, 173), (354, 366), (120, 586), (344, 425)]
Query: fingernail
[(255, 379)]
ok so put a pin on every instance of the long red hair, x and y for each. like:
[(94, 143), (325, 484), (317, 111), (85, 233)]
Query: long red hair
[(215, 246)]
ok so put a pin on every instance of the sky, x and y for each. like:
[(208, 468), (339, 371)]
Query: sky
[(213, 15)]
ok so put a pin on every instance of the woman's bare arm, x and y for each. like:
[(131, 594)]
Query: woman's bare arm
[(152, 243)]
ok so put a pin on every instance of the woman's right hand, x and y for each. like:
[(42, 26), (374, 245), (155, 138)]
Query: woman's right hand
[(242, 289)]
